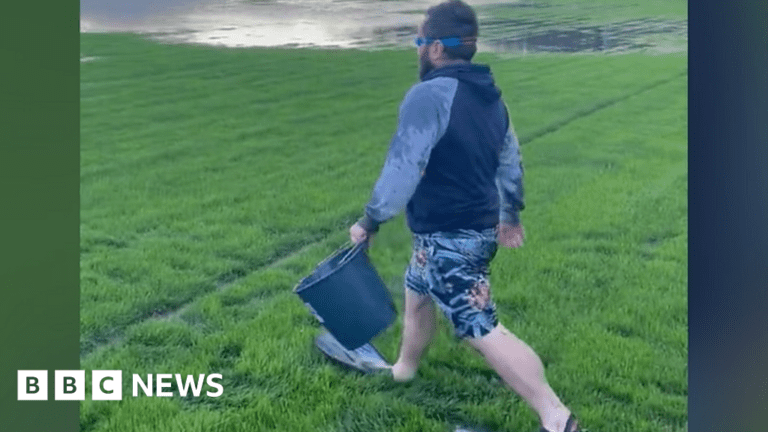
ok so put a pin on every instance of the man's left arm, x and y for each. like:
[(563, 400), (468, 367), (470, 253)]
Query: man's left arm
[(509, 181), (423, 119)]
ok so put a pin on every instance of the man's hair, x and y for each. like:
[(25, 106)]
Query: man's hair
[(453, 18)]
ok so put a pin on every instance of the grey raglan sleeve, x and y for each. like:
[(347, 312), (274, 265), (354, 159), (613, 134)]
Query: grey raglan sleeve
[(422, 121), (509, 179)]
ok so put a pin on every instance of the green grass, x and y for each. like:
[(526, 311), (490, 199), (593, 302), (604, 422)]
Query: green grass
[(212, 180)]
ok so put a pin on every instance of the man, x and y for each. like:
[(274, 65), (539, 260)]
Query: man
[(454, 163)]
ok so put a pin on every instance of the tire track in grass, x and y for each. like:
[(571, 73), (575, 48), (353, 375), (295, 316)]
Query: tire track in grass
[(119, 337), (587, 111), (224, 281)]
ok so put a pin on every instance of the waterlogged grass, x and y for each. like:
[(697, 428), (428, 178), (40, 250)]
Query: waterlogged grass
[(567, 25), (561, 12), (213, 180)]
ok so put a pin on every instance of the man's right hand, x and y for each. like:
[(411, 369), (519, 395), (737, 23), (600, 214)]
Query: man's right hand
[(358, 234), (511, 236)]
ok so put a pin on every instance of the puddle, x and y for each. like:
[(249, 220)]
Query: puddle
[(242, 23), (373, 24), (520, 36)]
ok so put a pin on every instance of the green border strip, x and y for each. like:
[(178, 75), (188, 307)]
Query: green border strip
[(39, 210)]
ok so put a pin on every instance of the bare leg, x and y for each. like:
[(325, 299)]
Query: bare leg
[(418, 329), (520, 368)]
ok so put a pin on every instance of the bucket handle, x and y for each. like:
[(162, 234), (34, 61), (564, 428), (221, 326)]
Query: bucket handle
[(355, 248)]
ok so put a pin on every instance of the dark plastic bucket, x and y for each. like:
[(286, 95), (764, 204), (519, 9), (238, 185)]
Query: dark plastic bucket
[(346, 294)]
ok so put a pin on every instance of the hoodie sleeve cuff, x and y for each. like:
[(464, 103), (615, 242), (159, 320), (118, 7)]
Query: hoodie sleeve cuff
[(369, 224), (511, 218)]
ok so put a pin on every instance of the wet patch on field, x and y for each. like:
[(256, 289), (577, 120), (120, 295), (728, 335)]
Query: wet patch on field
[(542, 36), (517, 27)]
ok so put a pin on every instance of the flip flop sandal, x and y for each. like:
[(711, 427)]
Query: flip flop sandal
[(571, 423)]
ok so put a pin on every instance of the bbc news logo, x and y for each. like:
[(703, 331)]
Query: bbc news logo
[(107, 385)]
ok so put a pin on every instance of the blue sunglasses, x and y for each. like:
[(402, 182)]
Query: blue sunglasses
[(449, 42)]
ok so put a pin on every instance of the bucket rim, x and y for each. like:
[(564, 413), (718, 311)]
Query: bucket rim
[(351, 251)]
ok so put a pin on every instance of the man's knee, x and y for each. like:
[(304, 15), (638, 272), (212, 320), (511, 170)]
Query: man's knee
[(490, 339), (416, 301)]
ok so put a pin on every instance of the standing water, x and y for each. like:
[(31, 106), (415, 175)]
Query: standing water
[(367, 24)]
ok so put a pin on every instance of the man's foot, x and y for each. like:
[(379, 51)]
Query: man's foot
[(402, 373), (571, 425)]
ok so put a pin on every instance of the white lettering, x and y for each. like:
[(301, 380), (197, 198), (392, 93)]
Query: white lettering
[(163, 382), (214, 384), (138, 382), (190, 383)]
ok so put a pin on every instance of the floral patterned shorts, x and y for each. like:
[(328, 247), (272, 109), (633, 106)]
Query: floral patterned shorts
[(453, 269)]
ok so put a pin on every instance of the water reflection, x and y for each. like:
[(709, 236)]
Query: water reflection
[(362, 23), (236, 23)]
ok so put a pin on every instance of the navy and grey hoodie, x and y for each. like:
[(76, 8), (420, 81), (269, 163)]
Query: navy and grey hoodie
[(454, 161)]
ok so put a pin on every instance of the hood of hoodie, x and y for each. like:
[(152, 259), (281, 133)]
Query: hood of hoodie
[(477, 77)]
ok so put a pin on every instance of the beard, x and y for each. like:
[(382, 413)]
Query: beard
[(425, 66)]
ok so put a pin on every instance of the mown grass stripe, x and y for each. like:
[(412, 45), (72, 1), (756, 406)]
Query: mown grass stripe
[(586, 111), (117, 338), (112, 336)]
